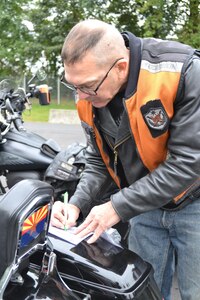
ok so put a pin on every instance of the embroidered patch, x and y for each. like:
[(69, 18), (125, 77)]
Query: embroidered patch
[(155, 117)]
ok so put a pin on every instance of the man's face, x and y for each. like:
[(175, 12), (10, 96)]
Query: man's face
[(87, 76)]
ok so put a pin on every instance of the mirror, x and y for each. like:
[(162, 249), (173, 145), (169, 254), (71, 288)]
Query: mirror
[(41, 74)]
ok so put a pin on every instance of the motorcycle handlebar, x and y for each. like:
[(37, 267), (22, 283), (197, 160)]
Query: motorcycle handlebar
[(18, 123), (13, 104)]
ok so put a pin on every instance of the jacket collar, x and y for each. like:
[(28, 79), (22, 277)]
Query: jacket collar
[(105, 120), (135, 45)]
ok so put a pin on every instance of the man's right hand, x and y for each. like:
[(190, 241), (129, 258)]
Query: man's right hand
[(64, 215)]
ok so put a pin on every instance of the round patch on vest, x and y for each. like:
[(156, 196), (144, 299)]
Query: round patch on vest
[(155, 117)]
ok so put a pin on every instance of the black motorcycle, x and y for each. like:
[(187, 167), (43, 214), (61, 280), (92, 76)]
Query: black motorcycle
[(34, 263), (27, 155), (37, 265)]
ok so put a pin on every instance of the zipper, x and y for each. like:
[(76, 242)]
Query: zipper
[(115, 160), (114, 149)]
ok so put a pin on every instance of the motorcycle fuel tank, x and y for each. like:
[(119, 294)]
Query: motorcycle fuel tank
[(23, 150)]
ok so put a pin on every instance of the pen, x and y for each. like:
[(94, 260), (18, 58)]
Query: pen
[(65, 211)]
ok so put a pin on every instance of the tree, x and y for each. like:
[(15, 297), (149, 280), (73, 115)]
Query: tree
[(52, 20), (153, 18), (190, 31), (14, 38)]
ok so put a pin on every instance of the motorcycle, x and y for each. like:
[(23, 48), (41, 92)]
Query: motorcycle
[(37, 265), (34, 263), (25, 154)]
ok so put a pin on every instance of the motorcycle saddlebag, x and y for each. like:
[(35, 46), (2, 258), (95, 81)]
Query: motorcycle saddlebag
[(43, 94), (24, 218), (105, 270)]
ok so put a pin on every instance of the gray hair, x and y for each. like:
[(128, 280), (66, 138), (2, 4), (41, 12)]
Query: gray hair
[(103, 39)]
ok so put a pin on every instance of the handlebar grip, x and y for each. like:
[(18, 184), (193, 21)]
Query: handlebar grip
[(18, 123)]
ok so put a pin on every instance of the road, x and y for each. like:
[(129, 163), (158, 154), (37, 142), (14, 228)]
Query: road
[(65, 135)]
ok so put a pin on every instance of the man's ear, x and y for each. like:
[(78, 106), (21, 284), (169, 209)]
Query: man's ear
[(122, 67)]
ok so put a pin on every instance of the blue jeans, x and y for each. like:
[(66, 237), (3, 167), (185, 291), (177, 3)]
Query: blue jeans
[(158, 234)]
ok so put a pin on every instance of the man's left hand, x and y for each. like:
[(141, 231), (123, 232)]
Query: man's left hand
[(99, 219)]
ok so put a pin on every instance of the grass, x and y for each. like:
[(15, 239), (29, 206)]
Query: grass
[(40, 113)]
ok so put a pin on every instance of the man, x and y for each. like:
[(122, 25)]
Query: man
[(139, 104)]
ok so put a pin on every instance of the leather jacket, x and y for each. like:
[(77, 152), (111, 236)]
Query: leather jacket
[(140, 188)]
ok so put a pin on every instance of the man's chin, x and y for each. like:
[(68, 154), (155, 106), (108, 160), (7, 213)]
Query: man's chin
[(99, 104)]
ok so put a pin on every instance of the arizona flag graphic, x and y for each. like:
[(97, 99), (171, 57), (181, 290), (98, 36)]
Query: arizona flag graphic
[(33, 226)]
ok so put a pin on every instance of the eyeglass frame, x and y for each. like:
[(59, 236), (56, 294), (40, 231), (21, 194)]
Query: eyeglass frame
[(85, 90)]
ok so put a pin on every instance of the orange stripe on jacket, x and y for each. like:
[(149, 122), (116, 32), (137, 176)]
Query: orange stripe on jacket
[(85, 113), (151, 86)]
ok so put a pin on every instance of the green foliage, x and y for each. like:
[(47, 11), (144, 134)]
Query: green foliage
[(124, 15), (14, 38), (190, 32), (51, 24), (159, 17), (52, 20)]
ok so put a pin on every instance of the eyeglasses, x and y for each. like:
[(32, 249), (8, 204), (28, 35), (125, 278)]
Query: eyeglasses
[(86, 90)]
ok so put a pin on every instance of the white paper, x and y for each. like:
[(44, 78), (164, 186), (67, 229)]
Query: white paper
[(67, 235), (112, 236)]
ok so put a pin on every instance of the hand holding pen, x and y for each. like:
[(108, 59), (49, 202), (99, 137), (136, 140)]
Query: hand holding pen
[(71, 213), (66, 209), (64, 215)]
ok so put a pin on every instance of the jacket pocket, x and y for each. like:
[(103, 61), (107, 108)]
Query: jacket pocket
[(195, 195), (192, 194)]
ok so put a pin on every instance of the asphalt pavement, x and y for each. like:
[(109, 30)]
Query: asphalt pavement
[(64, 135)]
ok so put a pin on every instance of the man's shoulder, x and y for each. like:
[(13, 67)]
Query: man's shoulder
[(158, 49)]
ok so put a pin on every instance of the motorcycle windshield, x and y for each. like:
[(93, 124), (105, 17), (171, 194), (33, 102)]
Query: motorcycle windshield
[(6, 86)]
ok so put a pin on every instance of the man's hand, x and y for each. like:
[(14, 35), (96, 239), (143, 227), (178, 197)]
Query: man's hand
[(100, 218), (64, 215)]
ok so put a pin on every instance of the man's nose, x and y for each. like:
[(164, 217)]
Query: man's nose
[(82, 95)]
